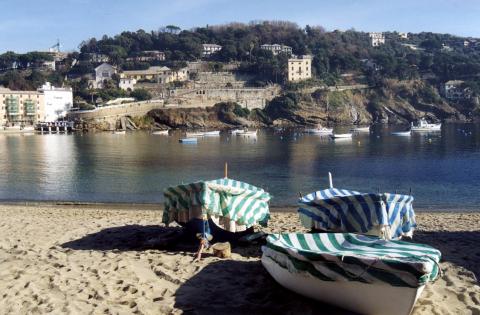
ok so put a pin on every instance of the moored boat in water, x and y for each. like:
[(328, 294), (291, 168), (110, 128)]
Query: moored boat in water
[(341, 136), (194, 134), (247, 133), (402, 133), (319, 130), (188, 140), (160, 132), (423, 125), (360, 129), (211, 133)]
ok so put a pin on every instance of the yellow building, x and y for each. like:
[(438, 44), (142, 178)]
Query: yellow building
[(21, 107), (300, 68)]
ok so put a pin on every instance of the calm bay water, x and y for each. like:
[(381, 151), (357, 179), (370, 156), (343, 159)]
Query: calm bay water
[(442, 169)]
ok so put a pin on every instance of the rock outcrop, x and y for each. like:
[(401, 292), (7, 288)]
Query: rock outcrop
[(393, 103)]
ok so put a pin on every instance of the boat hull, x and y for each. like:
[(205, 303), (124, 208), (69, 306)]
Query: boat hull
[(402, 133), (351, 295), (212, 134), (194, 134), (341, 136), (160, 132), (434, 128), (325, 131), (188, 140), (361, 129)]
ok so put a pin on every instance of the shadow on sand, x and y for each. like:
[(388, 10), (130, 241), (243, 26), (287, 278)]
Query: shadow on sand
[(242, 287), (131, 238), (459, 247)]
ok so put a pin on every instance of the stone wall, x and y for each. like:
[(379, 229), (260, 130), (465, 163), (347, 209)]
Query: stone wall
[(116, 111), (248, 97)]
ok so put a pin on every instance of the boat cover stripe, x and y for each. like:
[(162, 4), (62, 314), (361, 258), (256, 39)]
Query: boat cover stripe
[(351, 211), (225, 198), (353, 257)]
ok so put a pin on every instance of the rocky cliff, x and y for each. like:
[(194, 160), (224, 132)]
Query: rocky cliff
[(394, 102)]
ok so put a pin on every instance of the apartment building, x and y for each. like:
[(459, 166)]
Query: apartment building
[(21, 107), (300, 68)]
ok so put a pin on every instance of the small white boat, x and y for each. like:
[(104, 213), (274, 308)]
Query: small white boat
[(402, 133), (194, 134), (12, 128), (341, 136), (119, 132), (160, 132), (423, 125), (319, 130), (363, 274), (247, 133), (235, 131), (188, 140), (360, 129), (211, 133)]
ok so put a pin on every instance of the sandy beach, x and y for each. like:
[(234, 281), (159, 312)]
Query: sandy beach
[(94, 260)]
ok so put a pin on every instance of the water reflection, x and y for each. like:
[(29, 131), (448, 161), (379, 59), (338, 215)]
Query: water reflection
[(442, 169)]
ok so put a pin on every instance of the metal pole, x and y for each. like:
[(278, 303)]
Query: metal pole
[(226, 170), (330, 179)]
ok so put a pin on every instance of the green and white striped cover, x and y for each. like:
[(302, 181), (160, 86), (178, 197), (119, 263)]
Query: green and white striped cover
[(237, 201), (352, 257)]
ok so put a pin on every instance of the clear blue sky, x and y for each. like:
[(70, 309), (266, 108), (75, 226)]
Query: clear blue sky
[(27, 25)]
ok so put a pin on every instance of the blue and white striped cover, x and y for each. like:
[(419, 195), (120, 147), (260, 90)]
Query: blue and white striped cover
[(338, 210)]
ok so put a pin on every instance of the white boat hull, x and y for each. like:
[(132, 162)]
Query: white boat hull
[(361, 129), (402, 133), (194, 134), (247, 134), (211, 133), (341, 136), (160, 132), (433, 128), (122, 132), (373, 299), (325, 131), (188, 140)]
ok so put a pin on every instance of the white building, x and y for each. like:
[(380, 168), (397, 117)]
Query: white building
[(300, 68), (209, 49), (58, 101), (103, 72), (276, 48), (403, 35), (456, 90), (376, 38), (127, 84)]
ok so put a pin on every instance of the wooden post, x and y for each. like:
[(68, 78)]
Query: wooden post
[(226, 170), (330, 180)]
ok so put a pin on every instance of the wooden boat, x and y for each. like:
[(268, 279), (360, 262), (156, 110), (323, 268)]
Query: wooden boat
[(364, 274), (341, 136), (211, 133), (188, 140), (319, 130), (194, 134), (423, 125), (160, 132), (402, 133), (361, 129)]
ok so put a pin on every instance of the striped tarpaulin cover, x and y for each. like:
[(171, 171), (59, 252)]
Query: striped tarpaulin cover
[(236, 201), (341, 210), (353, 257)]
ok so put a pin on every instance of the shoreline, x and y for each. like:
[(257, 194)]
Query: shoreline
[(159, 206)]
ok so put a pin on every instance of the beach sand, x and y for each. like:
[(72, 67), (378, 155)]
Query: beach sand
[(93, 260)]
